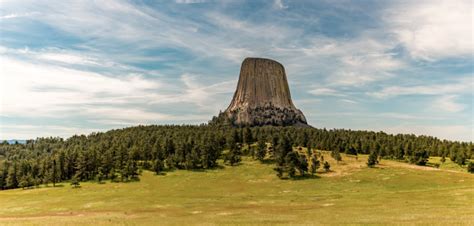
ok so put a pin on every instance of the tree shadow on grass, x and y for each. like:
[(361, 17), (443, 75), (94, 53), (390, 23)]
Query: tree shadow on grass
[(160, 173), (268, 161), (326, 172), (164, 173), (378, 166), (306, 177)]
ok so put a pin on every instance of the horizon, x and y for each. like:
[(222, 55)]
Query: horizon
[(82, 67)]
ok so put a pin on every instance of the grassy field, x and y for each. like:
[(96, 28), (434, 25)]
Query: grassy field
[(447, 165), (392, 193)]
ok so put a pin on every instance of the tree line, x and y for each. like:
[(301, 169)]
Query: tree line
[(119, 155)]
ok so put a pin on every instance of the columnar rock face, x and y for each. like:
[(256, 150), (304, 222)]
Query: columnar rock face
[(262, 97)]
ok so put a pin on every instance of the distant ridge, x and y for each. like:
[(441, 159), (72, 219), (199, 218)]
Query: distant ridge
[(13, 141)]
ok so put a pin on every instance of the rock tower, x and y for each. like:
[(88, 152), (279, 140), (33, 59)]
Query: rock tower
[(262, 97)]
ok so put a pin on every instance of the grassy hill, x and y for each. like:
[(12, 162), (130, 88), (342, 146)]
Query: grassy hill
[(392, 193)]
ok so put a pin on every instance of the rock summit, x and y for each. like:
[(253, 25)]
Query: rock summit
[(262, 97)]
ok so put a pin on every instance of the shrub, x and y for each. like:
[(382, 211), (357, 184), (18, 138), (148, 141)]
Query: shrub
[(470, 167)]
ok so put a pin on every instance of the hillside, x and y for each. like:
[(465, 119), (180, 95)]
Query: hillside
[(250, 193)]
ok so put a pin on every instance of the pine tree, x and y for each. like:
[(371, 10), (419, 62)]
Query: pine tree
[(336, 155), (81, 167), (211, 152), (248, 138), (75, 182), (233, 156), (157, 166), (327, 167), (54, 173), (470, 167), (279, 171), (12, 180), (419, 157), (314, 164), (131, 170), (302, 164), (460, 158), (282, 150), (261, 150), (291, 161), (26, 181), (100, 175), (443, 159), (372, 160)]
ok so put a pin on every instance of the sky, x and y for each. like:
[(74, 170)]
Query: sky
[(76, 67)]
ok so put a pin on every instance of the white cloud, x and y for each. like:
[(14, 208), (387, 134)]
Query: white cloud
[(349, 101), (205, 96), (42, 90), (363, 61), (448, 103), (23, 131), (457, 87), (190, 1), (432, 30), (67, 58), (451, 132), (279, 4), (326, 92), (38, 90), (17, 15), (352, 61)]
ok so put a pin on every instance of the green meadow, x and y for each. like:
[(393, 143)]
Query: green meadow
[(251, 194)]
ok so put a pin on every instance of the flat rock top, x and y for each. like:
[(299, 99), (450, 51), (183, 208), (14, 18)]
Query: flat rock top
[(260, 61)]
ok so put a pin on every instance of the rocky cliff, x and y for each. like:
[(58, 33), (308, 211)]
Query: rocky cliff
[(262, 97)]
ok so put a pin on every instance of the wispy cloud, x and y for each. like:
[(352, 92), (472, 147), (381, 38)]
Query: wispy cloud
[(279, 4), (448, 103), (463, 85), (17, 15), (206, 97), (190, 1), (36, 89), (326, 92), (450, 132), (27, 131), (432, 30)]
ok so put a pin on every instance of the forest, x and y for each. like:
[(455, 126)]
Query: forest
[(120, 155)]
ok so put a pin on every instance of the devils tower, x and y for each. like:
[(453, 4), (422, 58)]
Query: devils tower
[(262, 97)]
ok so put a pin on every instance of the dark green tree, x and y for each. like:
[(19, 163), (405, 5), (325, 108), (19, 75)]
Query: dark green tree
[(234, 155), (327, 167), (248, 138), (54, 173), (302, 164), (291, 163), (26, 181), (470, 167), (261, 150), (157, 166), (460, 158), (336, 155), (443, 159), (419, 157), (373, 159), (12, 180), (75, 182), (314, 164)]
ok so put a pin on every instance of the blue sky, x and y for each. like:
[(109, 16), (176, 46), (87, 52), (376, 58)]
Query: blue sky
[(72, 67)]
